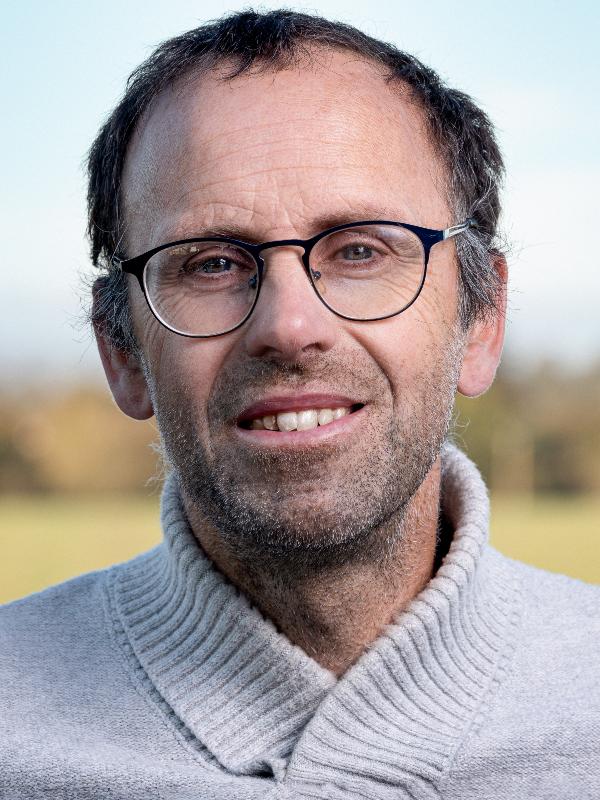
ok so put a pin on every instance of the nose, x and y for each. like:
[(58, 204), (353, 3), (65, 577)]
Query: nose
[(289, 321)]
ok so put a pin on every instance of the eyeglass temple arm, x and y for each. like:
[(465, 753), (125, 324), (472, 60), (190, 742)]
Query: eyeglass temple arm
[(125, 265), (454, 230)]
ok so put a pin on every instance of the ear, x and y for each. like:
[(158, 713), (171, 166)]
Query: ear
[(126, 379), (484, 343), (123, 370)]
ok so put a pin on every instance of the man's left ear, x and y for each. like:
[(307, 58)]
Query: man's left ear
[(484, 342)]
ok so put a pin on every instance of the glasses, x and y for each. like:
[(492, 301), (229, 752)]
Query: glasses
[(362, 271)]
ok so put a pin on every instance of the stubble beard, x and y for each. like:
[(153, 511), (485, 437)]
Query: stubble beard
[(297, 513)]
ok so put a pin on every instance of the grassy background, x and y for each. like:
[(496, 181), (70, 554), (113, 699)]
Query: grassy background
[(48, 539)]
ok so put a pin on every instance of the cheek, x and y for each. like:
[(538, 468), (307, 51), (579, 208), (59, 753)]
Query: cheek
[(183, 370), (413, 337), (416, 351), (189, 368)]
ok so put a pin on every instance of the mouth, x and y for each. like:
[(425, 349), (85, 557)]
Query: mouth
[(305, 419), (299, 418)]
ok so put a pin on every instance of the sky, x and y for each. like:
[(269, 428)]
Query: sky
[(534, 67)]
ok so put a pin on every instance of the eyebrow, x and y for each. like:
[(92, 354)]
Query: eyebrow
[(242, 233)]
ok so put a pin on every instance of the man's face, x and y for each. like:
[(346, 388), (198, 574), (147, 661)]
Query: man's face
[(285, 155)]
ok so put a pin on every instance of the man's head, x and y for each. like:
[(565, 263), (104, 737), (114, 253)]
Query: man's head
[(271, 127)]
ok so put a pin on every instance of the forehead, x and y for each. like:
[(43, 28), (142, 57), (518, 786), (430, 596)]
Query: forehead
[(281, 149)]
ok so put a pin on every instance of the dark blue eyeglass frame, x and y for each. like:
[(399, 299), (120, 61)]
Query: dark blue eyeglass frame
[(427, 236)]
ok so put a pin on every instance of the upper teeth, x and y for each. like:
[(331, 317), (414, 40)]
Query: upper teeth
[(298, 420)]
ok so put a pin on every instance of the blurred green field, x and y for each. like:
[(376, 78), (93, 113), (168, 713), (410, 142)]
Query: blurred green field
[(48, 539)]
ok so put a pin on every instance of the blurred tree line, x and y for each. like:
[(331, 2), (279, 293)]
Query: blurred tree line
[(537, 432)]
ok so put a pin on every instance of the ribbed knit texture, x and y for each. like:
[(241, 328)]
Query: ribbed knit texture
[(164, 661)]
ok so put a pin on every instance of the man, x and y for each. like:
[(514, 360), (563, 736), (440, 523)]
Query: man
[(297, 226)]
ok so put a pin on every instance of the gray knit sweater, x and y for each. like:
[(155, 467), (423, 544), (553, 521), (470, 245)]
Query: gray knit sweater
[(157, 679)]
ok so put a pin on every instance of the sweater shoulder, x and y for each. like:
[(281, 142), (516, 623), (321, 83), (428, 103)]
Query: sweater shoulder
[(52, 620), (56, 623), (59, 645), (554, 648), (554, 607), (543, 712), (556, 599), (52, 599), (557, 644)]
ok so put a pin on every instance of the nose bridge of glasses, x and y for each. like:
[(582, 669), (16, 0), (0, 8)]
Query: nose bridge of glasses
[(292, 246)]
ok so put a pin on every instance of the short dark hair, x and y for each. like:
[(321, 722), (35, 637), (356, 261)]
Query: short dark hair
[(460, 130)]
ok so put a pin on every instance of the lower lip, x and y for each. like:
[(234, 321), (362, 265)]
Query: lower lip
[(339, 427)]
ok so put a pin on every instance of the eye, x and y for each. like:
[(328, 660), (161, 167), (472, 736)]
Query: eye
[(206, 264), (214, 266), (357, 252)]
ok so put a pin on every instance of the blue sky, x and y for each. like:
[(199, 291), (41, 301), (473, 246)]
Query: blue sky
[(534, 67)]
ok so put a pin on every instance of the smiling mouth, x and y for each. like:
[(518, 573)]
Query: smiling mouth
[(301, 420)]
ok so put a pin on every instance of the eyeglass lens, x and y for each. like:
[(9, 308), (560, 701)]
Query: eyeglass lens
[(206, 288)]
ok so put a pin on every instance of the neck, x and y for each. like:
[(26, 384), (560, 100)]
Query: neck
[(335, 614)]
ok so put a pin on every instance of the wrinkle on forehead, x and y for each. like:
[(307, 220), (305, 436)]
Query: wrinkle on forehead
[(267, 147)]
